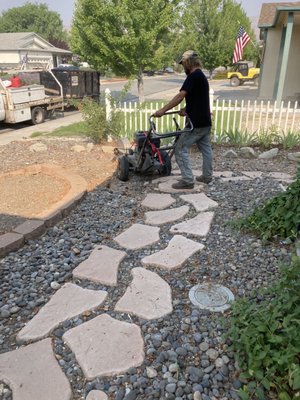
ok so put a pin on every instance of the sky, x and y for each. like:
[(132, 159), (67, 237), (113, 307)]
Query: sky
[(65, 7)]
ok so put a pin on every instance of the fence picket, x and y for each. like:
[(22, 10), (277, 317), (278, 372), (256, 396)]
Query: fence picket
[(260, 115), (287, 117), (241, 115), (294, 115), (234, 114), (267, 115)]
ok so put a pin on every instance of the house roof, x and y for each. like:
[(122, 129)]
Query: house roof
[(23, 41), (269, 11)]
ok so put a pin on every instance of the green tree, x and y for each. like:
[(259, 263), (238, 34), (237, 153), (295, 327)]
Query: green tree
[(34, 18), (210, 27), (125, 36)]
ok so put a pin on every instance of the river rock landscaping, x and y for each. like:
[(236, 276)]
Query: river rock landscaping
[(70, 330)]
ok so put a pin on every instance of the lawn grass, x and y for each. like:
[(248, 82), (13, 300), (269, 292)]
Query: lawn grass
[(73, 130)]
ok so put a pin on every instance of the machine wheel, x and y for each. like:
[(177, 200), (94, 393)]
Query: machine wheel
[(37, 115), (234, 81), (123, 169), (167, 167), (255, 80)]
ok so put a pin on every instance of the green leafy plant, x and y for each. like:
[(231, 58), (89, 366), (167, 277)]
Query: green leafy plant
[(279, 216), (290, 140), (98, 127), (240, 138), (268, 137), (265, 338)]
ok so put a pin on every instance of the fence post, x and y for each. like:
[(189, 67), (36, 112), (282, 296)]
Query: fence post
[(107, 104)]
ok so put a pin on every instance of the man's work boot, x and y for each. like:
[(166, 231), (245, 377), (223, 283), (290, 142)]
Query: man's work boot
[(203, 179), (183, 185)]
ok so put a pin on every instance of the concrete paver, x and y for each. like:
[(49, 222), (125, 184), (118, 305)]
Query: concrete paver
[(165, 216), (105, 346), (200, 201), (158, 201), (175, 254), (9, 242), (101, 266), (138, 236), (33, 373), (198, 226), (148, 296), (68, 302), (30, 228)]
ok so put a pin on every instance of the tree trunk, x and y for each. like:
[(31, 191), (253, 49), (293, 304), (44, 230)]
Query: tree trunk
[(140, 83)]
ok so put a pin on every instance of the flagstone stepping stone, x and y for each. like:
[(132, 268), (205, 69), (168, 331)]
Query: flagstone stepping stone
[(222, 174), (101, 266), (198, 226), (138, 236), (148, 296), (104, 346), (158, 201), (200, 201), (236, 178), (33, 373), (165, 216), (162, 179), (196, 172), (175, 254), (68, 302), (96, 395), (166, 187), (280, 176), (253, 174)]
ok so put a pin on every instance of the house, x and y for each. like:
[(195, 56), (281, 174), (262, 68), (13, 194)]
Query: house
[(279, 25), (27, 50)]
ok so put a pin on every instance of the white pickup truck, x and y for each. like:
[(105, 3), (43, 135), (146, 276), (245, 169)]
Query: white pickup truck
[(25, 103)]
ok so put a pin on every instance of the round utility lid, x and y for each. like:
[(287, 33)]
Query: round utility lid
[(211, 297)]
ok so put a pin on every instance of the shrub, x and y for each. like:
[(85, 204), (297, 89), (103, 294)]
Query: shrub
[(290, 140), (94, 114), (279, 216), (265, 338), (240, 138), (268, 137)]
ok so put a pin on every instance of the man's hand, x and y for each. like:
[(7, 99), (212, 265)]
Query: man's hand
[(158, 113), (182, 112)]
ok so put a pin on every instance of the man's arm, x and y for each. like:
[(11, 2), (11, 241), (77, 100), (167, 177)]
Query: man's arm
[(173, 103)]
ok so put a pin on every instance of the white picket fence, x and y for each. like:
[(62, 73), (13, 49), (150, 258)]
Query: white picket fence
[(227, 115)]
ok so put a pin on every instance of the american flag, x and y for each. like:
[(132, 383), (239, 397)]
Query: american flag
[(242, 40)]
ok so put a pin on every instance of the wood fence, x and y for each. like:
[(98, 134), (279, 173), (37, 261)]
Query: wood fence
[(248, 116)]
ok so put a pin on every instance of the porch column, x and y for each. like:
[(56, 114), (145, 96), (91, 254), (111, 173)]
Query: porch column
[(285, 56)]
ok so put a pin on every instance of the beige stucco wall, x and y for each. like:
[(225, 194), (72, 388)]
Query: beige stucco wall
[(292, 81), (270, 61)]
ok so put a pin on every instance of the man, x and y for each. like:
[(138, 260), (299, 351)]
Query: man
[(195, 91)]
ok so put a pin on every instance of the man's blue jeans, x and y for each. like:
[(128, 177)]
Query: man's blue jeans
[(200, 136)]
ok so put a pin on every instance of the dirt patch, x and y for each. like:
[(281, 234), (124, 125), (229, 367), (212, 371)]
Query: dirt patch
[(26, 195)]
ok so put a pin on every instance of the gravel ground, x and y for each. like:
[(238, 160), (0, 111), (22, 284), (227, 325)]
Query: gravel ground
[(185, 351)]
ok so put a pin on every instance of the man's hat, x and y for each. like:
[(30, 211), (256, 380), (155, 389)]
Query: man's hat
[(187, 55)]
